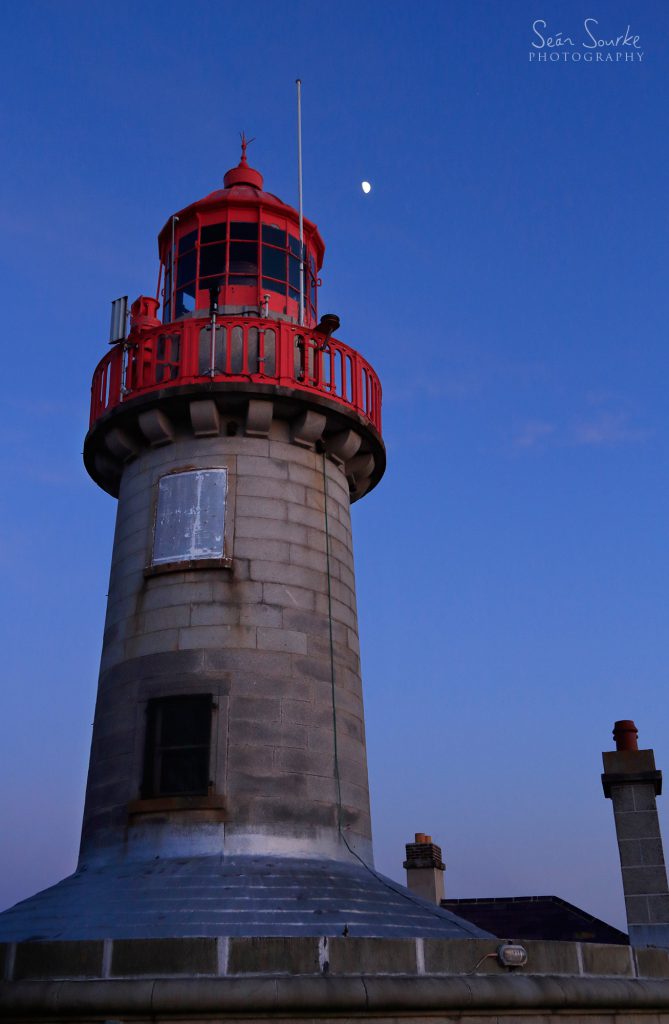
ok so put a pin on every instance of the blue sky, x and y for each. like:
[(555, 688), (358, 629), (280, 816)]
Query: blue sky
[(505, 276)]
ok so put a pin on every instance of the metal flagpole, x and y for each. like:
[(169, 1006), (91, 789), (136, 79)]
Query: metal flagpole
[(173, 290), (298, 83)]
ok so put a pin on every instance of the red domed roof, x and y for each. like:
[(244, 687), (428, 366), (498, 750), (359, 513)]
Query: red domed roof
[(242, 174), (244, 185)]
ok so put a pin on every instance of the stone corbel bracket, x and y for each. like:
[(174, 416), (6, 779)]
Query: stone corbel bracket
[(155, 420)]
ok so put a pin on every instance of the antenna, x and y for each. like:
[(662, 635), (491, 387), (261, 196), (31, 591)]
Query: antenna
[(298, 83)]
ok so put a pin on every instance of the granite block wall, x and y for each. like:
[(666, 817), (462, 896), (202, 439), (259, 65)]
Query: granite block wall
[(256, 636)]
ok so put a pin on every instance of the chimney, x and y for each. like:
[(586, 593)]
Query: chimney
[(632, 782), (425, 868)]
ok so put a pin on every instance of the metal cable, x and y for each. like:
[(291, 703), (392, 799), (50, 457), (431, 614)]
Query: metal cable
[(437, 911)]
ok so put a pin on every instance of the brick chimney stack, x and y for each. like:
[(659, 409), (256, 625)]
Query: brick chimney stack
[(425, 868), (631, 781)]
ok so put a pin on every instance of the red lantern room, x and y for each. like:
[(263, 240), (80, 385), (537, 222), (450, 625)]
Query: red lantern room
[(238, 285), (246, 243)]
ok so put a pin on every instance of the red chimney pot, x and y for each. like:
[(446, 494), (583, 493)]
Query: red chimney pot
[(625, 734)]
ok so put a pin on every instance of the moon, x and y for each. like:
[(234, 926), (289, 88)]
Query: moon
[(366, 187)]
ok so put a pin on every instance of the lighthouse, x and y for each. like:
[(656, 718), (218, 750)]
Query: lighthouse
[(227, 789), (226, 869)]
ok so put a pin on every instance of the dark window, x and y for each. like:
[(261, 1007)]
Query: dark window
[(187, 242), (243, 229), (274, 263), (294, 244), (213, 233), (167, 295), (274, 286), (275, 236), (243, 258), (312, 282), (211, 282), (176, 752), (185, 300), (294, 273), (186, 268), (212, 260)]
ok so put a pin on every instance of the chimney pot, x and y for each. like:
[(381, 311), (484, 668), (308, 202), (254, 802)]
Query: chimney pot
[(625, 733), (425, 868)]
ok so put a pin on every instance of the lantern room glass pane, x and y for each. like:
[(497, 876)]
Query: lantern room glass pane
[(190, 516), (274, 262), (186, 268), (294, 272), (213, 233), (185, 300), (274, 286), (274, 235), (243, 229), (187, 242), (312, 281), (212, 260), (243, 258), (211, 282)]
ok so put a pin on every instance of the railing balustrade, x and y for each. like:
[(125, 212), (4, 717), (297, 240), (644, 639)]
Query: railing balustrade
[(245, 349)]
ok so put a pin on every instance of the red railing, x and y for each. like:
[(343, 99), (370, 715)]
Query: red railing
[(244, 349)]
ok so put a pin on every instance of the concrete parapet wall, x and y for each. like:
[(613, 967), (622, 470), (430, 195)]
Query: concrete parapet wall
[(205, 979), (326, 957)]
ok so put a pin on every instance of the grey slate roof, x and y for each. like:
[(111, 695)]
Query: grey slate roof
[(536, 917), (232, 896)]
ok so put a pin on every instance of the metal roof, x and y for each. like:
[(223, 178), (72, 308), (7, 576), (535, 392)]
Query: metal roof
[(229, 896)]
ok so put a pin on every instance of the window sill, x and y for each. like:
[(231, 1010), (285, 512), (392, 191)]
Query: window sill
[(161, 809), (167, 804), (187, 565)]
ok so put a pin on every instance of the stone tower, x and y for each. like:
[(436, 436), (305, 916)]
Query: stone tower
[(227, 789)]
